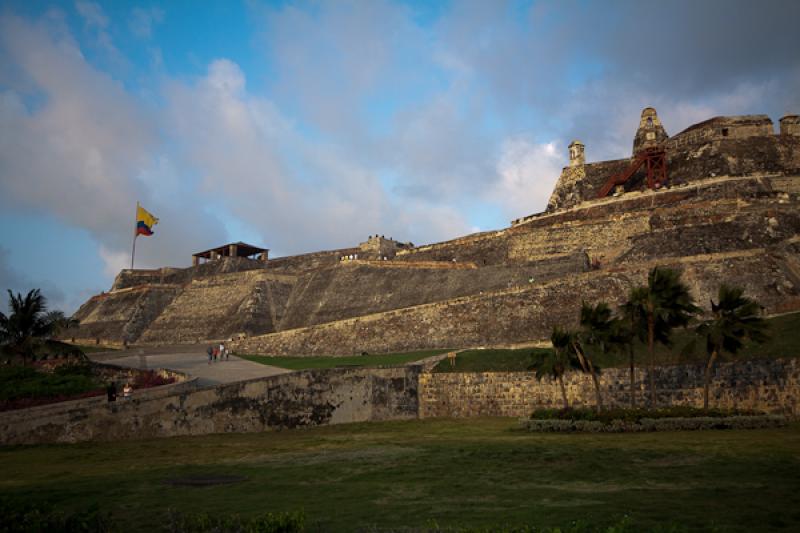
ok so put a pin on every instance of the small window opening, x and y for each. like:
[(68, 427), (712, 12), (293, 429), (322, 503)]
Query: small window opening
[(649, 121), (724, 132)]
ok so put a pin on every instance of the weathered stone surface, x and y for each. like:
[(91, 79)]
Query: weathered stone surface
[(222, 306), (765, 385), (730, 212), (321, 397), (297, 399)]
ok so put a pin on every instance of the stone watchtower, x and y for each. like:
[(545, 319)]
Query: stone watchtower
[(790, 125), (650, 132), (576, 154)]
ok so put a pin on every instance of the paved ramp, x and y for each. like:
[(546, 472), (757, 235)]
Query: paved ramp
[(190, 360)]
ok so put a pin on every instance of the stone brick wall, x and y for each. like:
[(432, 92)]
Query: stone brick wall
[(222, 306), (122, 316), (528, 313), (691, 158), (291, 400), (338, 396), (298, 264), (765, 385), (359, 289)]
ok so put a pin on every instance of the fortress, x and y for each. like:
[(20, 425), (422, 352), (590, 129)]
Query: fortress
[(720, 201)]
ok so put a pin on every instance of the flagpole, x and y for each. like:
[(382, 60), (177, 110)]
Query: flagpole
[(135, 233)]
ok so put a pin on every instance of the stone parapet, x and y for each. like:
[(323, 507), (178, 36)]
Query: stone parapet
[(771, 386)]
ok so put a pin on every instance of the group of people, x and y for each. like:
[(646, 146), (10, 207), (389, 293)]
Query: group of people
[(111, 391), (217, 352)]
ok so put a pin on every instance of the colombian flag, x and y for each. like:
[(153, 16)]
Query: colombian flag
[(144, 221)]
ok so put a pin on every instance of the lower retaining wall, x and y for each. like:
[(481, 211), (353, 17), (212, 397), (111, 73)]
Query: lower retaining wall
[(306, 398), (763, 385), (320, 397)]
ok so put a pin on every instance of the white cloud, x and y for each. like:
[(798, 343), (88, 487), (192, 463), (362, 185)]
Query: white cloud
[(93, 15), (114, 261), (528, 172), (301, 195), (87, 150), (143, 20)]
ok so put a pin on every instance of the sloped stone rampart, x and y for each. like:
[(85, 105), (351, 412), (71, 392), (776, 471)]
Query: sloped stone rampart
[(359, 289), (122, 316), (222, 306), (297, 399), (526, 313), (764, 385)]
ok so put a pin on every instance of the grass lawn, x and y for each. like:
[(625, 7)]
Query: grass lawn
[(305, 363), (784, 341), (452, 473)]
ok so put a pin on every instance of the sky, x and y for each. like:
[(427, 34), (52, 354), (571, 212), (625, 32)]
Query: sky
[(305, 126)]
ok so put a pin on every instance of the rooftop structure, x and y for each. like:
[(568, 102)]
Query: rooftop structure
[(234, 249)]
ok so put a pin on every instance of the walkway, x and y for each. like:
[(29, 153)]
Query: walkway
[(190, 360)]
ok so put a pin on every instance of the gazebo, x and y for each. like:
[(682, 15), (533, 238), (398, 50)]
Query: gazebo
[(234, 249)]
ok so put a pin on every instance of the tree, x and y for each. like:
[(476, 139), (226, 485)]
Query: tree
[(735, 318), (664, 304), (28, 323), (61, 323), (598, 331), (627, 329), (555, 363)]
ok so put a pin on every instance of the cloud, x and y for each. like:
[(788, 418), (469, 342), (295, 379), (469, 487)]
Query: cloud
[(143, 20), (253, 161), (92, 14), (528, 172), (77, 145)]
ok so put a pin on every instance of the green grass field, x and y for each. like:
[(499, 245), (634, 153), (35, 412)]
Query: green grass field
[(450, 473), (305, 363), (784, 341)]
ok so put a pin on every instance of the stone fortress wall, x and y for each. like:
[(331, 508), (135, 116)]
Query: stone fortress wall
[(338, 396), (729, 212)]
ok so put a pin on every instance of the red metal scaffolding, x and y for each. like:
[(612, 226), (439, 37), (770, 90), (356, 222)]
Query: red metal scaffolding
[(654, 159)]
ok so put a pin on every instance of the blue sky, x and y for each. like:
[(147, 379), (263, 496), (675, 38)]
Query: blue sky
[(302, 126)]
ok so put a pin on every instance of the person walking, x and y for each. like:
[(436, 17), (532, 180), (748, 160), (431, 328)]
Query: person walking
[(221, 351), (126, 391), (210, 352), (216, 353), (111, 391)]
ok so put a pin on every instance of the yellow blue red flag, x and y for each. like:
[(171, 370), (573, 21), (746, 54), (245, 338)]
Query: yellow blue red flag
[(144, 221)]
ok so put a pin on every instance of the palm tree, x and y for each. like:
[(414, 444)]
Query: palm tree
[(597, 332), (664, 304), (28, 323), (735, 318), (627, 328), (60, 322), (555, 364)]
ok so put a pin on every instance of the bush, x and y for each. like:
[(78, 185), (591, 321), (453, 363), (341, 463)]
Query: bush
[(22, 517), (619, 425), (150, 378), (264, 523), (635, 415), (22, 386)]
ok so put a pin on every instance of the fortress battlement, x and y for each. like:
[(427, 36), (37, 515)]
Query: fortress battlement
[(719, 200)]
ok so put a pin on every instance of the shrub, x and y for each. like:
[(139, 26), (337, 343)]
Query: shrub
[(150, 378), (19, 517), (22, 386), (264, 523), (635, 415), (654, 424)]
